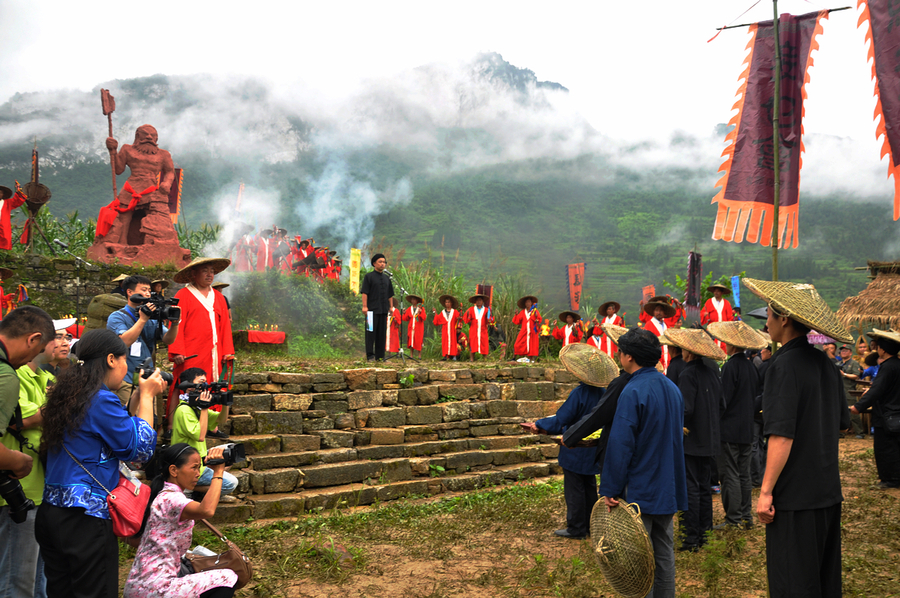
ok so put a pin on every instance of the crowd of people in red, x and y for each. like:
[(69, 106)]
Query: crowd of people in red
[(271, 249)]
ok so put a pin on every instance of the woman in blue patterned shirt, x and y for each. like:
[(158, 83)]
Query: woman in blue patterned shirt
[(84, 416)]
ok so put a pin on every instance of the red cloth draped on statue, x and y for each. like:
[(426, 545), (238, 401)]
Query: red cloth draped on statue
[(478, 329), (109, 213), (528, 340), (415, 330), (448, 323)]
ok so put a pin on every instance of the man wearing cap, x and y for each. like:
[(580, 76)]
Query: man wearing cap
[(204, 336), (701, 391), (659, 311), (571, 332), (448, 320), (884, 399), (133, 325), (740, 387), (377, 293), (850, 373), (594, 370), (415, 330), (803, 411), (529, 321), (645, 455), (478, 317)]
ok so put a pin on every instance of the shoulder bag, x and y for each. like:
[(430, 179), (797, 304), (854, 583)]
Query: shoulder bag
[(233, 559)]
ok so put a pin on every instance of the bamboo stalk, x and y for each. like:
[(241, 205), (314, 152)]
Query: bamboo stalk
[(776, 138)]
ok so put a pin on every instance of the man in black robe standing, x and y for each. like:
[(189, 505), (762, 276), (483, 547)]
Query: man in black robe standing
[(377, 295)]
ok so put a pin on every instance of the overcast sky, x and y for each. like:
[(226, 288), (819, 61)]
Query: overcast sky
[(635, 70)]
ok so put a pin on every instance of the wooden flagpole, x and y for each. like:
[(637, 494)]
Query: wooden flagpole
[(776, 134)]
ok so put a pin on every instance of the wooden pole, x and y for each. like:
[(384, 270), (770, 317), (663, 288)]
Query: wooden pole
[(776, 138)]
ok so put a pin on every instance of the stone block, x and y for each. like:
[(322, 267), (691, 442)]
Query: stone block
[(341, 473), (490, 392), (490, 430), (546, 391), (362, 437), (395, 470), (250, 378), (279, 460), (420, 375), (296, 388), (277, 506), (329, 396), (493, 443), (243, 425), (530, 410), (328, 378), (424, 414), (537, 470), (290, 402), (381, 436), (338, 455), (460, 392), (251, 404), (344, 421), (386, 377), (431, 448), (364, 399), (291, 443), (507, 457), (508, 392), (280, 480), (401, 489), (535, 373), (422, 437), (442, 376), (329, 386), (452, 434), (501, 408), (463, 375), (460, 483), (477, 376), (455, 411), (332, 439), (319, 423), (243, 479), (362, 379), (257, 482), (377, 453), (550, 407), (562, 391), (519, 373), (289, 378), (389, 397), (392, 386), (428, 395), (362, 417), (314, 414), (268, 387), (279, 422), (489, 375), (564, 377), (533, 453), (232, 513), (406, 396), (353, 496), (385, 417), (527, 391), (478, 410), (461, 461), (332, 408), (510, 429), (240, 388), (262, 444)]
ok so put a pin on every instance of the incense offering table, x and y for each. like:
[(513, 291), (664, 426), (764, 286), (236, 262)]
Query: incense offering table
[(250, 339)]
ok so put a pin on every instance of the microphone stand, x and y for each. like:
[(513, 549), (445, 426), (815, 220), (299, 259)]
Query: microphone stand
[(402, 353), (65, 248)]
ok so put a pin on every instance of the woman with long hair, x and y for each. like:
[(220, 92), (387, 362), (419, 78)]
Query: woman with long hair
[(85, 421), (166, 532)]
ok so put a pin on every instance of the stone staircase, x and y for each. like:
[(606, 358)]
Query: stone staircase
[(357, 437)]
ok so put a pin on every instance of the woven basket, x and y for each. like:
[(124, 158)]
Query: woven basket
[(622, 548), (589, 364), (800, 302), (613, 331)]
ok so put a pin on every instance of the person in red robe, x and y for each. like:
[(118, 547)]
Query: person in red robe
[(609, 314), (265, 244), (448, 320), (415, 330), (9, 201), (478, 317), (392, 338), (659, 312), (717, 308), (672, 321), (529, 321), (571, 332), (204, 336), (596, 337)]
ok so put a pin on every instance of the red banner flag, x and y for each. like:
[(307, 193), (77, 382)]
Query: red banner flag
[(747, 187), (647, 293), (575, 275), (883, 41)]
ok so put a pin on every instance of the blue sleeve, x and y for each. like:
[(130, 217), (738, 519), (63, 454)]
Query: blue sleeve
[(128, 438), (118, 322), (568, 413), (622, 436)]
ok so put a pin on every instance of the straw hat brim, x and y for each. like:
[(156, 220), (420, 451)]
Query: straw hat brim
[(410, 297), (589, 364), (443, 299), (800, 302), (613, 331), (650, 307), (218, 264), (5, 192), (521, 301), (119, 278), (696, 341), (5, 273), (736, 334), (602, 309), (221, 285), (891, 335), (474, 298), (723, 288), (563, 314), (163, 282)]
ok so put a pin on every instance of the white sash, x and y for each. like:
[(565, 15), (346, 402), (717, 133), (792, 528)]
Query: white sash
[(661, 327), (719, 304), (209, 303), (569, 328), (479, 313), (448, 317)]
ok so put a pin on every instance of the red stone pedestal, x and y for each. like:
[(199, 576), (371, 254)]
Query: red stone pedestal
[(148, 254)]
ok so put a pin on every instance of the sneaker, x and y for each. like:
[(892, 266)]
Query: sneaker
[(217, 434), (565, 533), (716, 489), (227, 499), (858, 436)]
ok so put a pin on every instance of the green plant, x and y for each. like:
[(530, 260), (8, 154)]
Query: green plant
[(407, 381), (436, 470)]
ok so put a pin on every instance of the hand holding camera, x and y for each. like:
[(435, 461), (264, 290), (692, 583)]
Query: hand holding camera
[(157, 307), (226, 455)]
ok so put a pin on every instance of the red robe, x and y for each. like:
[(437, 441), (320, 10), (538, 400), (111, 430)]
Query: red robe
[(6, 208), (448, 325), (478, 330), (195, 335), (242, 252), (264, 247), (672, 321), (286, 261), (392, 338), (415, 330), (709, 313), (657, 330), (596, 338), (529, 338), (607, 345), (574, 336)]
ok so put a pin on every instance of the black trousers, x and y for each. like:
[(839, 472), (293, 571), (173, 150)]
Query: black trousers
[(697, 520), (81, 553), (803, 553), (887, 455), (734, 469), (375, 340), (581, 493)]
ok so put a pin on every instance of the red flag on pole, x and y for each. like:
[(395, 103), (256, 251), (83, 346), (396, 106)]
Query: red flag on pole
[(575, 276)]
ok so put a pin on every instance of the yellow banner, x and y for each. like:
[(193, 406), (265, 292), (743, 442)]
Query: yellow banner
[(355, 260)]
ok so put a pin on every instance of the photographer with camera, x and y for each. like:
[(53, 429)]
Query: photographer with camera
[(193, 420), (140, 326)]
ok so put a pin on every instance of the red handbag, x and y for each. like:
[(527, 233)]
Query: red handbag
[(127, 502)]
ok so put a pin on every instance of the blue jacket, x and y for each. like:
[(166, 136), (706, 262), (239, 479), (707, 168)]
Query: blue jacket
[(645, 458), (581, 401)]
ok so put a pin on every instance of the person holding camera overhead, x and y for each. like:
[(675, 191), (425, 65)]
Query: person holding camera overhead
[(87, 432), (137, 326), (191, 424)]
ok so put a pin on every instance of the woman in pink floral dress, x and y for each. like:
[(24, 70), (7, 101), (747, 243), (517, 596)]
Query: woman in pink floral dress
[(167, 531)]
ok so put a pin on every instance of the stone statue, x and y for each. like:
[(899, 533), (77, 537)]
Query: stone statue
[(137, 225)]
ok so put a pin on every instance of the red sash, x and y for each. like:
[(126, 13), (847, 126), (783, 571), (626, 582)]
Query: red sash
[(108, 213)]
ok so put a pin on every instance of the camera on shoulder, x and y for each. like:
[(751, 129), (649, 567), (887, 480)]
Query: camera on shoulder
[(165, 307), (218, 394), (232, 453)]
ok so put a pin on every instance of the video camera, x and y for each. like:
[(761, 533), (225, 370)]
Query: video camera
[(165, 308), (147, 366), (12, 492), (219, 394), (232, 453)]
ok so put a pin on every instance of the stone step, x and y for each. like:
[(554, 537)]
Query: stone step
[(256, 444), (292, 504)]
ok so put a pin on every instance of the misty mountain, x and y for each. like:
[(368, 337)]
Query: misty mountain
[(482, 158)]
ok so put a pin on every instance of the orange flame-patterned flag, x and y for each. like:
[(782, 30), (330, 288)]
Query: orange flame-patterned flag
[(575, 275), (883, 41), (747, 188)]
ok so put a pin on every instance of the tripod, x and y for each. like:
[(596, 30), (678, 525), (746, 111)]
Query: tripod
[(402, 353)]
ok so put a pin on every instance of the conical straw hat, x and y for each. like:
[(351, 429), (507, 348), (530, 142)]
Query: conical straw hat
[(695, 341), (613, 331), (891, 335), (737, 334), (800, 302), (183, 276), (622, 548), (588, 364)]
